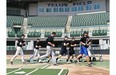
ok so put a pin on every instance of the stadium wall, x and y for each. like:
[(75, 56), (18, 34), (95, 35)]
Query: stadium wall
[(33, 9), (42, 8)]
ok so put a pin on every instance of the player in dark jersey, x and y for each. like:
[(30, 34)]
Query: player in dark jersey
[(50, 45), (63, 48), (36, 51), (84, 45), (19, 49), (71, 51)]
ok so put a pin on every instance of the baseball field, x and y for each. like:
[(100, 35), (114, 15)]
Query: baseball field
[(62, 68)]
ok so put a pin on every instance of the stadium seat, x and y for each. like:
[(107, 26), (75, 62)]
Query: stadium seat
[(19, 34), (58, 34), (34, 34), (90, 19), (99, 32), (74, 33), (47, 34), (17, 20), (11, 34), (47, 21)]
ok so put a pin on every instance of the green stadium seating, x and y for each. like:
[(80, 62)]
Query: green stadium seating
[(47, 21), (11, 34), (58, 34), (99, 32), (76, 33), (34, 34), (7, 47), (19, 34), (17, 20), (90, 19), (47, 34), (37, 34)]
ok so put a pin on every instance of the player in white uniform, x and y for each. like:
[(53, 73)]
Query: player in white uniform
[(19, 49)]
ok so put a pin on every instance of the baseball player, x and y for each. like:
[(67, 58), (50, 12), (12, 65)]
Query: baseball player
[(88, 46), (36, 50), (50, 52), (19, 49), (71, 51), (63, 48), (84, 44)]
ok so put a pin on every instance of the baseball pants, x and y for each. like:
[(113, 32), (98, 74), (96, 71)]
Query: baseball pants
[(35, 53), (50, 52), (19, 51)]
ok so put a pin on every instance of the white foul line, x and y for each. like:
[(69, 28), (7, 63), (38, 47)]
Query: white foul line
[(45, 67), (32, 71), (60, 71), (13, 71), (36, 70)]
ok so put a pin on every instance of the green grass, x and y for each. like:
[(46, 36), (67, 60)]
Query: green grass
[(39, 71), (46, 72), (104, 64), (11, 69), (25, 70)]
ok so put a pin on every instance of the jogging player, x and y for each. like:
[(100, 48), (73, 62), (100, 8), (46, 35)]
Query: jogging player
[(36, 50), (19, 49), (84, 44), (71, 51), (50, 52), (63, 48)]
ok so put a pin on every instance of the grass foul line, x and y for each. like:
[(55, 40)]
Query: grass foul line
[(60, 71), (14, 71)]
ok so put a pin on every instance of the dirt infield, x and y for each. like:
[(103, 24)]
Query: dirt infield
[(87, 71), (82, 70)]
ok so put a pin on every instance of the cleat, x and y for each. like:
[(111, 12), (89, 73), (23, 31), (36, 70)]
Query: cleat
[(11, 62), (89, 65), (48, 61), (71, 61), (24, 62), (66, 60), (56, 60), (38, 60), (28, 61)]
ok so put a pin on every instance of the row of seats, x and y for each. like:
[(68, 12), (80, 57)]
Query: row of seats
[(58, 34), (17, 20), (94, 33), (11, 48), (12, 34), (60, 21), (90, 19), (99, 32), (47, 21), (76, 33), (34, 34)]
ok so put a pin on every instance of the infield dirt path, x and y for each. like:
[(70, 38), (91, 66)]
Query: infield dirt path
[(81, 70)]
